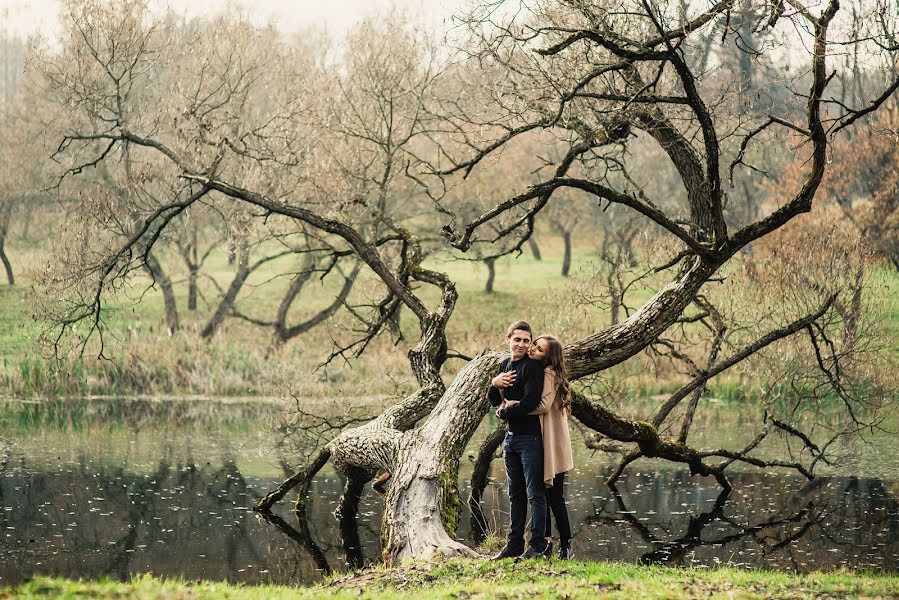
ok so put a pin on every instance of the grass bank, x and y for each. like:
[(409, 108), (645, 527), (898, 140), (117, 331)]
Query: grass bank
[(481, 579)]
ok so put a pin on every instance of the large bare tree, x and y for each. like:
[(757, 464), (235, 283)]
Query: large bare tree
[(345, 145)]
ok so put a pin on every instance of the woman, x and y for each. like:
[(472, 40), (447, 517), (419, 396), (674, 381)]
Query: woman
[(554, 409)]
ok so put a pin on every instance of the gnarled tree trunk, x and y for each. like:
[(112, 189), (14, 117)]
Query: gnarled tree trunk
[(423, 504)]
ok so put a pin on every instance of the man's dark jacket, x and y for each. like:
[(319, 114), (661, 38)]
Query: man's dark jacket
[(527, 389)]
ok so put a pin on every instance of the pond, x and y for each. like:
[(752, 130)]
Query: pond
[(121, 487)]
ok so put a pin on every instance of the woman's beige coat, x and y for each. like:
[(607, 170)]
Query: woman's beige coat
[(557, 456)]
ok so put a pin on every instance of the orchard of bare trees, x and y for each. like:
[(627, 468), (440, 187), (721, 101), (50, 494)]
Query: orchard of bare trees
[(707, 152)]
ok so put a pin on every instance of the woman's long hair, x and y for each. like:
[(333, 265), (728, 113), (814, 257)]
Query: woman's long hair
[(555, 360)]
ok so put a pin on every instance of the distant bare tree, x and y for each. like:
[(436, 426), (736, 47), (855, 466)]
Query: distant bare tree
[(20, 151)]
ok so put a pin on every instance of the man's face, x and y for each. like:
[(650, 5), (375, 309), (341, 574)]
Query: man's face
[(519, 341)]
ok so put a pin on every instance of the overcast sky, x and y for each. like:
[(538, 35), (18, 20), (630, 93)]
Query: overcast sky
[(25, 17)]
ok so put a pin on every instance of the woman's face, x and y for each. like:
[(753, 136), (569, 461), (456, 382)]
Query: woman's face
[(538, 349)]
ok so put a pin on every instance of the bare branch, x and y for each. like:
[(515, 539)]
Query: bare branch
[(738, 357)]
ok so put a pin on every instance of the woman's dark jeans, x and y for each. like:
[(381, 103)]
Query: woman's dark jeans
[(555, 503), (523, 456)]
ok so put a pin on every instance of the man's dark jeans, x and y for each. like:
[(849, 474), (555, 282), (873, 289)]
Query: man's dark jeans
[(523, 455)]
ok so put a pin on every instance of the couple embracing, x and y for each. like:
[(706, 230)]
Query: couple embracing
[(531, 393)]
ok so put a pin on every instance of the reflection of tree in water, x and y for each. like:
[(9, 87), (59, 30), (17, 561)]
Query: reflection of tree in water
[(771, 534), (122, 550), (352, 543), (349, 535), (773, 523), (147, 499), (87, 518), (861, 513), (5, 455), (768, 521), (143, 513), (301, 536), (346, 517), (231, 484), (134, 517)]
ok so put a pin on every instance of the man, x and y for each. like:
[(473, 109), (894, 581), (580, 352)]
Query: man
[(521, 378)]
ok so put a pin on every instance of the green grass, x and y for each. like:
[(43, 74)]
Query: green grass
[(473, 579), (18, 329)]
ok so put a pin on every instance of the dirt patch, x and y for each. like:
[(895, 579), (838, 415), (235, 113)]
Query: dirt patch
[(397, 577)]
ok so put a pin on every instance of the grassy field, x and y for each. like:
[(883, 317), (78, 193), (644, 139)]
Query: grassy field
[(240, 359), (460, 579)]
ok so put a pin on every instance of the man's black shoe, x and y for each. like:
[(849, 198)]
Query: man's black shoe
[(532, 552), (565, 552), (507, 553), (548, 551)]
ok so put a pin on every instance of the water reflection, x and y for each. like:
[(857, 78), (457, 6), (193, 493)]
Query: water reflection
[(176, 500), (772, 533), (767, 521), (301, 535), (182, 519)]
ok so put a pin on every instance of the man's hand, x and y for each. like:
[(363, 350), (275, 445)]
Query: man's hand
[(503, 380), (505, 404), (499, 408)]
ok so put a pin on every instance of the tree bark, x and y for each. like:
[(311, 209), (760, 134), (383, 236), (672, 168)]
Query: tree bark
[(227, 302), (535, 249), (566, 257), (491, 274), (616, 344), (191, 256), (6, 264), (192, 273), (168, 293), (423, 504), (615, 295), (5, 217)]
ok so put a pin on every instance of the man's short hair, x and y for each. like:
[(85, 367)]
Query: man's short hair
[(522, 325)]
